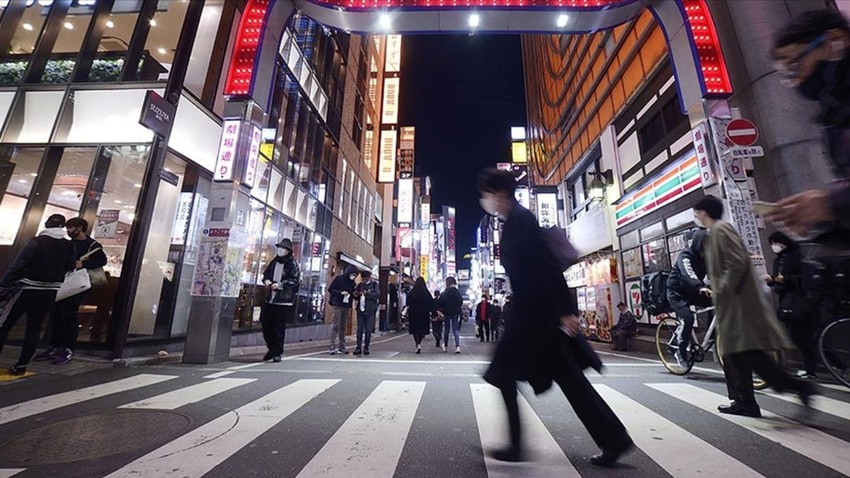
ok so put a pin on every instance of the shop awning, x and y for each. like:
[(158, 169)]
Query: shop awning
[(352, 261)]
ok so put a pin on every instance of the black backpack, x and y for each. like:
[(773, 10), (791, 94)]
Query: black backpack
[(654, 293)]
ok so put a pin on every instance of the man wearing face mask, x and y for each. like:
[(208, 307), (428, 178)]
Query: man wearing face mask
[(813, 54), (686, 287), (542, 342), (282, 277), (340, 290)]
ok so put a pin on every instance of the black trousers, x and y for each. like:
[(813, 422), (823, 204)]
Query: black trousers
[(621, 338), (607, 431), (686, 326), (484, 330), (64, 324), (35, 304), (494, 331), (418, 338), (803, 334), (437, 331), (273, 319), (739, 369)]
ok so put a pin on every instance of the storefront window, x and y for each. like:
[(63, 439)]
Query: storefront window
[(62, 60), (15, 63), (33, 117), (165, 28), (18, 172), (655, 256), (253, 263), (632, 266), (199, 207), (114, 44), (69, 187)]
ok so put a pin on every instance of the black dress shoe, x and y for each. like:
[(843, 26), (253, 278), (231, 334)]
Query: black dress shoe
[(742, 409), (511, 454), (609, 457), (276, 358), (268, 356), (17, 370), (806, 391)]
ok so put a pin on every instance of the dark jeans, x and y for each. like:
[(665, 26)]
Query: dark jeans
[(739, 369), (273, 319), (597, 417), (35, 304), (64, 324), (484, 330), (494, 331), (437, 331), (364, 324), (803, 334), (621, 338), (686, 326), (418, 338)]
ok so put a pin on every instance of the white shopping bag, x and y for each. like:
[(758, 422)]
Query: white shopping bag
[(75, 283)]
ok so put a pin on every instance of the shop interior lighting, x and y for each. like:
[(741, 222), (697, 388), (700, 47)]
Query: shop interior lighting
[(69, 25), (162, 51), (27, 27), (562, 20), (153, 22), (385, 21), (474, 20), (109, 24)]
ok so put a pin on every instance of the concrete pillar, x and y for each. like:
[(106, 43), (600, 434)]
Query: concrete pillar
[(217, 280)]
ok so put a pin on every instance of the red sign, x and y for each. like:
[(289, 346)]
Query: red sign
[(742, 132)]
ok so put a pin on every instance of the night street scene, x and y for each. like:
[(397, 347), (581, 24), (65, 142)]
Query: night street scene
[(424, 238)]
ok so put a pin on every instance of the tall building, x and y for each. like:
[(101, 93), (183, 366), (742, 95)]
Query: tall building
[(189, 205), (607, 128)]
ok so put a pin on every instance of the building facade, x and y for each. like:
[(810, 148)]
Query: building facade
[(74, 76)]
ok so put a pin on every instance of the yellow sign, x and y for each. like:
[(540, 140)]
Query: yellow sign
[(519, 152), (423, 267), (267, 150)]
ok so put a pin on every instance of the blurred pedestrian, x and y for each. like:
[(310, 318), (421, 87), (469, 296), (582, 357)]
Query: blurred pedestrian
[(421, 308), (747, 328), (625, 329), (282, 278), (542, 343), (437, 322), (483, 311), (64, 323), (30, 284), (495, 320), (341, 291), (794, 310), (813, 54), (450, 304), (366, 295)]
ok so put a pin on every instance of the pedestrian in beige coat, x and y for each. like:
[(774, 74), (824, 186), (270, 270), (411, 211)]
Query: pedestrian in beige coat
[(747, 328)]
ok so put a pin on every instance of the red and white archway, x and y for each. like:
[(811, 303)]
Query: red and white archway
[(695, 49)]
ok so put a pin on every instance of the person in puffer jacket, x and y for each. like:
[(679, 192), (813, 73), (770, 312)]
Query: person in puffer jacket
[(686, 287)]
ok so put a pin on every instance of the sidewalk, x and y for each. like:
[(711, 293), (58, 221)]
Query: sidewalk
[(86, 363)]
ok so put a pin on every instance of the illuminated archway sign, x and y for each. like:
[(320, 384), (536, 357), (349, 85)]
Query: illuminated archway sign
[(695, 50)]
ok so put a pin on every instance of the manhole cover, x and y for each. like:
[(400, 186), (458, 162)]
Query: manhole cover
[(94, 436)]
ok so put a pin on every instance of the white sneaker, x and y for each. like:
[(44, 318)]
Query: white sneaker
[(457, 350), (444, 348)]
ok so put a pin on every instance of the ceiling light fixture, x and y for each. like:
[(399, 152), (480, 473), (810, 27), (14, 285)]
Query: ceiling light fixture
[(474, 20), (69, 25), (109, 24), (385, 21), (153, 22), (162, 51), (562, 20), (27, 27)]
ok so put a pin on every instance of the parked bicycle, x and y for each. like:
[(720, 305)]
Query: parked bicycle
[(829, 286), (666, 342)]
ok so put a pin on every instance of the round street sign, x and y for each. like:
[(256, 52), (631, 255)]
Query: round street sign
[(742, 132)]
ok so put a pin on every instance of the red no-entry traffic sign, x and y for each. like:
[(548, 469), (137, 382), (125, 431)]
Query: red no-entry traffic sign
[(742, 132)]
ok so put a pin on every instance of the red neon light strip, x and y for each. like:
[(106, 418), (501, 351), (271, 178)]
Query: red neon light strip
[(247, 41), (711, 60)]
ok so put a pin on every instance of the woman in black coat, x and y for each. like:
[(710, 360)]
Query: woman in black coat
[(420, 310), (794, 309)]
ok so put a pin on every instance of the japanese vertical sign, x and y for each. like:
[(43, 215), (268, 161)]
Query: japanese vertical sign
[(250, 176), (703, 158), (226, 161)]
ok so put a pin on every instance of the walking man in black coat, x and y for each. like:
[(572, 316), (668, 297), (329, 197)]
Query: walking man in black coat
[(542, 342)]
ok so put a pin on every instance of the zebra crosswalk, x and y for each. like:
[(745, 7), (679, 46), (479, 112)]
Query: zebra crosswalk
[(371, 437)]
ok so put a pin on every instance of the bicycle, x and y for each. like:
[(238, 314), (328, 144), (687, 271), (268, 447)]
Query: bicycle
[(666, 343), (829, 286)]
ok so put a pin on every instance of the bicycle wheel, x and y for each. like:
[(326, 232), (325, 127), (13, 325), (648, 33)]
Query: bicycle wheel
[(834, 348), (666, 344)]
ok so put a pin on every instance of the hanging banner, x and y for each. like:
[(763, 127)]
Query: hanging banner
[(250, 177), (706, 173), (226, 161), (547, 209), (386, 166), (393, 62), (407, 135), (389, 113), (405, 201)]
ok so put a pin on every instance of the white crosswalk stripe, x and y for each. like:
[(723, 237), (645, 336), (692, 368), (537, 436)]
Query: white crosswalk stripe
[(370, 442), (672, 447), (199, 451), (549, 458), (817, 445), (52, 402), (191, 394), (823, 404), (10, 472)]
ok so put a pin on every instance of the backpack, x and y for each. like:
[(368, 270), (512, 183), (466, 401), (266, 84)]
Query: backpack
[(654, 293)]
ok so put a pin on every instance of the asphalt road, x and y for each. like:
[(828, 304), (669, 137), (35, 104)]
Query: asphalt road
[(398, 414)]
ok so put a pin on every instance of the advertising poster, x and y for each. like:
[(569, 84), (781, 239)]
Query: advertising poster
[(386, 165), (107, 223), (581, 294), (405, 201), (217, 272)]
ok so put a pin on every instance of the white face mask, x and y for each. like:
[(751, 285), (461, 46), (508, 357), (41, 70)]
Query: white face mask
[(777, 248), (282, 251), (490, 206), (352, 277)]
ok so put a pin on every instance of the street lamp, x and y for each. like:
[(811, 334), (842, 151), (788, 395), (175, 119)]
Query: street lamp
[(596, 190)]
